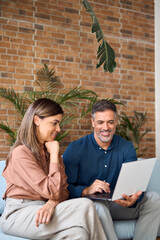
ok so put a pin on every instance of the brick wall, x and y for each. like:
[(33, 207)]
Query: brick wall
[(58, 33)]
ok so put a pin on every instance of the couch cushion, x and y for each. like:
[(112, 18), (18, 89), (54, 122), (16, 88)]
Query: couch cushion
[(9, 237), (2, 186), (124, 229)]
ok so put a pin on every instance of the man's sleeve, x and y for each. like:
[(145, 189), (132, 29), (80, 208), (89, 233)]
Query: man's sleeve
[(130, 152), (71, 158)]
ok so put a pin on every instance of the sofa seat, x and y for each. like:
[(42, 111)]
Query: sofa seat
[(9, 237), (123, 229)]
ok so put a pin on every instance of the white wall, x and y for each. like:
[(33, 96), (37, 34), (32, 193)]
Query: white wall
[(157, 75)]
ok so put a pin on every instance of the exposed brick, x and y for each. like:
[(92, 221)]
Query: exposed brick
[(22, 12), (26, 30), (126, 31), (126, 2), (41, 15), (72, 11), (58, 33), (38, 26), (27, 89)]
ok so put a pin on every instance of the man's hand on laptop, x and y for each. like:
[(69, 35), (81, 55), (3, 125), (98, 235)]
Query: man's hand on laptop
[(97, 186), (128, 201)]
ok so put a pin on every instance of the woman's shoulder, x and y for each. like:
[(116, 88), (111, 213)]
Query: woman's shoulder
[(21, 149)]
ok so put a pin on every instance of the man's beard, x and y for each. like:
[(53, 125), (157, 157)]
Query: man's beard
[(104, 139)]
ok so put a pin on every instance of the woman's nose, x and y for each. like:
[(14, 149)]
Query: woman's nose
[(58, 128)]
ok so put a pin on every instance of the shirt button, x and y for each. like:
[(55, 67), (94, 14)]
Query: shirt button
[(100, 148), (105, 152), (105, 165)]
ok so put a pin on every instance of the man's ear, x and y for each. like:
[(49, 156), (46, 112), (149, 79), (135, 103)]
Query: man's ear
[(116, 121), (92, 121), (36, 120)]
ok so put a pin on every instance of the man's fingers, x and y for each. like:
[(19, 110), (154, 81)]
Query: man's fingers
[(102, 185), (139, 193)]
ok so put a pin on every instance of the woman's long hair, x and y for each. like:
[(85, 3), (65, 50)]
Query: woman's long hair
[(26, 135)]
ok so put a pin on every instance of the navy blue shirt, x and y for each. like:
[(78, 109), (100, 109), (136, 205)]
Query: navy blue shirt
[(85, 161)]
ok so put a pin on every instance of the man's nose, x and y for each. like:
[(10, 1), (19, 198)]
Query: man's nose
[(106, 127)]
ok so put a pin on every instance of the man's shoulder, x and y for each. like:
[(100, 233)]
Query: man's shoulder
[(77, 147), (121, 141), (81, 141)]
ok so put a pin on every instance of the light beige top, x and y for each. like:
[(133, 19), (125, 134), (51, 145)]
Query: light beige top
[(27, 178)]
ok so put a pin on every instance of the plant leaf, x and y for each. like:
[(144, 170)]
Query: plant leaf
[(16, 99), (8, 130), (46, 79), (105, 53)]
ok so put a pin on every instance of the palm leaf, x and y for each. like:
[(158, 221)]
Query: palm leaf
[(67, 118), (74, 95), (46, 79), (60, 136), (130, 129), (33, 95), (105, 53), (16, 99), (9, 131)]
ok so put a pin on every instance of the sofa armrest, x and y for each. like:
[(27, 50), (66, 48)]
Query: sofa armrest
[(2, 186), (154, 183)]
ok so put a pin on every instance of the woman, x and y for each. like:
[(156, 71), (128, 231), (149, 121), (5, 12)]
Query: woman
[(36, 183)]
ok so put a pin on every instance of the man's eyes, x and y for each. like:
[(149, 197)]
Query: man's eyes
[(110, 122), (100, 122)]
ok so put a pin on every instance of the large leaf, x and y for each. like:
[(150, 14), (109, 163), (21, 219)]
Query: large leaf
[(130, 128), (105, 53), (46, 79), (16, 99), (9, 131), (74, 96)]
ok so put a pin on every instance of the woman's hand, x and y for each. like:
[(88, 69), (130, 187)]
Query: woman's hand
[(53, 149), (45, 213)]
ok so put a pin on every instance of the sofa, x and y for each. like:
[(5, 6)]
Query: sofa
[(124, 229)]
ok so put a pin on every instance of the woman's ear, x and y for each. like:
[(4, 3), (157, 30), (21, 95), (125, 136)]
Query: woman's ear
[(36, 120)]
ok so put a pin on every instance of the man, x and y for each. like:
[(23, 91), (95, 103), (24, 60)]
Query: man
[(93, 164)]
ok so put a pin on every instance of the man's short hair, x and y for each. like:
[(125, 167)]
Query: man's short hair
[(103, 105)]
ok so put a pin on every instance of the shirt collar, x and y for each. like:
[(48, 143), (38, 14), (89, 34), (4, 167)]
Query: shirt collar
[(109, 148)]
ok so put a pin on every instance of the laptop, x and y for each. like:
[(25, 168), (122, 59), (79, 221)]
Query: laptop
[(133, 177)]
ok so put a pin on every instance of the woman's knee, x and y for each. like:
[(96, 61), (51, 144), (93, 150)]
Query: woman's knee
[(85, 203)]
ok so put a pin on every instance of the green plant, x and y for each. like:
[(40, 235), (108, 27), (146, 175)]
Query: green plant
[(130, 129), (105, 53), (49, 88)]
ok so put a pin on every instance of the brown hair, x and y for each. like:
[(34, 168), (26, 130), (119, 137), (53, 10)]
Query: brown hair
[(103, 105), (26, 135)]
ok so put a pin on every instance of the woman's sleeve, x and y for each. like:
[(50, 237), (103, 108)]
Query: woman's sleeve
[(64, 186), (28, 174)]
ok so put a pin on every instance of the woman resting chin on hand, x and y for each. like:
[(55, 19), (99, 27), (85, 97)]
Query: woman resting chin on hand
[(37, 187)]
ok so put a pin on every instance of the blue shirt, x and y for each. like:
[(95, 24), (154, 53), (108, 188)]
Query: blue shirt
[(85, 161)]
